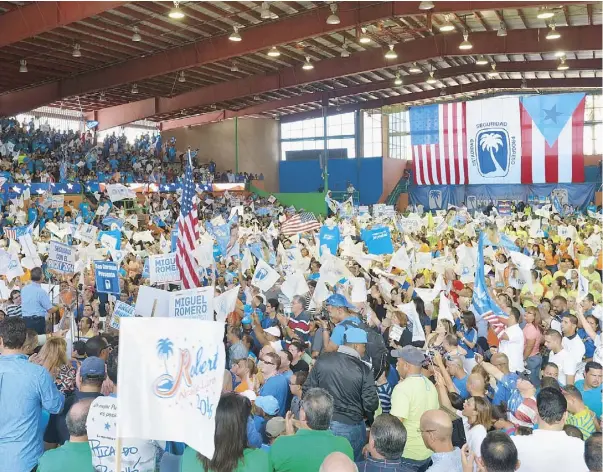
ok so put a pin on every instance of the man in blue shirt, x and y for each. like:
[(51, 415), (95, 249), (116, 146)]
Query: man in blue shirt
[(35, 303), (25, 390), (590, 387), (339, 312), (275, 384)]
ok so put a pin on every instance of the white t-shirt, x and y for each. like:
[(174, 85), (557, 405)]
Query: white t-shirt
[(550, 451), (137, 454), (513, 348), (566, 363), (475, 436), (575, 347)]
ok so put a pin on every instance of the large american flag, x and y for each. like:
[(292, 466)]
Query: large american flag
[(300, 223), (439, 144), (188, 232), (498, 323)]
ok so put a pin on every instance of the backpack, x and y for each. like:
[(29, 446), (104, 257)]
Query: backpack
[(375, 347)]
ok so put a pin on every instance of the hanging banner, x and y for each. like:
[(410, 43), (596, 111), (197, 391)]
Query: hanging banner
[(195, 303), (163, 268), (61, 257)]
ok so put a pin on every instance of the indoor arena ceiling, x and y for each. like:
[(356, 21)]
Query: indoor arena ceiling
[(125, 61)]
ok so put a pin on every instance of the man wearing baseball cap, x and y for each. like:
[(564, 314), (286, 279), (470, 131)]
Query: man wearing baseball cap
[(339, 311), (351, 383), (413, 396)]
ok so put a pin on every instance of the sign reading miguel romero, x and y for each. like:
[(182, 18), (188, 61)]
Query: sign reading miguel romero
[(194, 303)]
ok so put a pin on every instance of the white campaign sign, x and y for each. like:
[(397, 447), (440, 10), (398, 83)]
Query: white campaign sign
[(61, 257), (180, 380), (152, 301), (120, 310), (194, 303), (163, 268), (117, 192), (86, 233)]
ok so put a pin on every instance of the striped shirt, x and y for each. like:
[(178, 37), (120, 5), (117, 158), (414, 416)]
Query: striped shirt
[(385, 396), (13, 310), (583, 420), (300, 325)]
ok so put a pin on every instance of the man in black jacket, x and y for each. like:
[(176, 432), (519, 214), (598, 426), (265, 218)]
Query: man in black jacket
[(351, 383)]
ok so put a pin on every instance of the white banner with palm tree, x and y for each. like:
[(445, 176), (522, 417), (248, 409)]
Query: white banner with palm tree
[(494, 141), (170, 380)]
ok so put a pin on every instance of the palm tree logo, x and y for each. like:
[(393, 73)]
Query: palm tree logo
[(165, 350), (164, 385), (491, 142)]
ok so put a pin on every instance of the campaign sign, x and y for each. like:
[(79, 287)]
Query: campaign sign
[(174, 237), (120, 310), (106, 275), (179, 381), (61, 257), (163, 268), (86, 233), (194, 303)]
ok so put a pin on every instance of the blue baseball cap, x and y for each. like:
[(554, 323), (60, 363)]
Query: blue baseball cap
[(355, 336), (92, 367), (338, 300), (268, 403)]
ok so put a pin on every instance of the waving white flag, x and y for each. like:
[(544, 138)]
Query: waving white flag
[(264, 276), (225, 303)]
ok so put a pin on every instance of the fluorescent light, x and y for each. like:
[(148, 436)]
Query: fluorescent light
[(176, 13), (481, 60), (492, 72), (265, 13), (136, 36), (344, 51), (524, 84), (308, 65), (502, 30), (559, 53), (274, 52), (391, 54), (553, 33), (398, 80), (447, 26), (181, 77), (76, 50), (364, 38), (23, 66), (562, 64), (431, 79), (234, 67), (333, 19), (134, 88), (414, 69), (465, 45), (426, 6), (545, 14), (235, 36)]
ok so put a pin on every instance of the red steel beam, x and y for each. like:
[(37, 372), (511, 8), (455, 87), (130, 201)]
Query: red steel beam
[(203, 119), (257, 38), (516, 42), (502, 84), (40, 17)]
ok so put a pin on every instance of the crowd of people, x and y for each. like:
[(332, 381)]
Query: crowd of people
[(373, 361)]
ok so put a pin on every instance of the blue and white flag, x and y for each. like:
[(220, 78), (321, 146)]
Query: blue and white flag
[(330, 237), (378, 240)]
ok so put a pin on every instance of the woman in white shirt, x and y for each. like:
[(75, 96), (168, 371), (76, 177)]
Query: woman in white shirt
[(477, 419)]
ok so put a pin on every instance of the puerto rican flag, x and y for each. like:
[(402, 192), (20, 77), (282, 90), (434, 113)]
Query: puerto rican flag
[(552, 138), (439, 144)]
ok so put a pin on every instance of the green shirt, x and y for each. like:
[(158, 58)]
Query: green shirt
[(306, 450), (412, 397), (254, 460), (70, 457)]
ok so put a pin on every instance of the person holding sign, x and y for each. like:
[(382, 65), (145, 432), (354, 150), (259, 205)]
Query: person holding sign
[(230, 439)]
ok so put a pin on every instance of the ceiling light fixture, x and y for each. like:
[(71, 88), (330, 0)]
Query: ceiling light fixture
[(101, 97), (308, 65), (466, 44), (136, 36), (333, 19), (492, 72), (562, 64), (431, 79), (481, 60), (524, 83), (134, 88), (553, 33), (235, 36), (447, 26), (414, 69), (364, 38), (442, 92), (176, 13), (274, 52), (559, 53), (265, 13), (426, 6), (545, 14), (344, 50), (181, 77), (398, 80), (23, 66), (76, 50), (234, 67), (502, 30), (391, 54)]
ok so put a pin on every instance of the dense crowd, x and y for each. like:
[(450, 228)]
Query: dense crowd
[(373, 360)]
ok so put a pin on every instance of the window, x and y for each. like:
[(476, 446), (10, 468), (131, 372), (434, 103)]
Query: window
[(399, 135), (310, 134), (372, 134), (593, 125)]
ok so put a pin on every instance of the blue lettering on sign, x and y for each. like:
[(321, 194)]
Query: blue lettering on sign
[(205, 406)]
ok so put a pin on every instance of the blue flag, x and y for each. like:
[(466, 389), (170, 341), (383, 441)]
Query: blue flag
[(378, 240), (329, 237)]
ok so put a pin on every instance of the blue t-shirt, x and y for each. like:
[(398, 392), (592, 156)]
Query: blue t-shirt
[(505, 388), (278, 387), (471, 336), (339, 330), (591, 398), (461, 386)]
